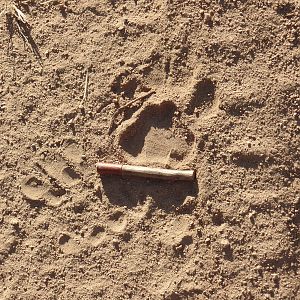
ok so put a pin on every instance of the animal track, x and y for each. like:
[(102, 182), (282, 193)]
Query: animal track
[(63, 239), (8, 244), (62, 172), (97, 230), (117, 222), (152, 136), (202, 96), (72, 151), (115, 225), (68, 244), (69, 175), (249, 153), (97, 235), (40, 192), (177, 234), (51, 185), (238, 105), (33, 188)]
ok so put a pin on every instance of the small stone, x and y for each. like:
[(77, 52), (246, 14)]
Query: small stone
[(116, 244), (252, 215), (14, 221), (275, 276), (208, 204), (207, 240), (207, 19), (225, 244), (71, 122)]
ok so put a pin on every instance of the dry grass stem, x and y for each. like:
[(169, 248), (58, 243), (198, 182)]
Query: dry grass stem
[(17, 23), (86, 84), (113, 123)]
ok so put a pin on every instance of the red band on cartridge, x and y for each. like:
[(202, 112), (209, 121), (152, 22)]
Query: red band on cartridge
[(109, 169)]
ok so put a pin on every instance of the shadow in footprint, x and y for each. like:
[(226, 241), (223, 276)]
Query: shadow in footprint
[(203, 95), (250, 160), (125, 84), (160, 116), (33, 190), (128, 192)]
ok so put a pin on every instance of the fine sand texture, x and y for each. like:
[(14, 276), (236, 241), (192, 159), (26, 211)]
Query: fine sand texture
[(184, 84)]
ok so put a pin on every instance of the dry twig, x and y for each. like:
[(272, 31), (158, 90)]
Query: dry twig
[(86, 84), (114, 124)]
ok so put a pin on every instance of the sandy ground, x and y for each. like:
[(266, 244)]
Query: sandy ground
[(207, 85)]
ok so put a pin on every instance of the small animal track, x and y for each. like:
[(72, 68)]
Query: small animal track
[(8, 244), (63, 239), (115, 225), (49, 187), (33, 188), (125, 84), (60, 170), (97, 230), (70, 175), (151, 135), (97, 235)]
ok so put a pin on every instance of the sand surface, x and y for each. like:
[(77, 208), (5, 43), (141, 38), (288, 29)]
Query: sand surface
[(206, 85)]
